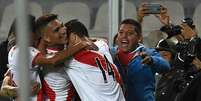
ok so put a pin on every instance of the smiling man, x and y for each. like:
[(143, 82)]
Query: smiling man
[(136, 63)]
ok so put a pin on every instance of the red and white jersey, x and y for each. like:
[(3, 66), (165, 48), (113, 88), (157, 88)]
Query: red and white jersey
[(94, 77), (33, 69), (57, 85), (104, 49)]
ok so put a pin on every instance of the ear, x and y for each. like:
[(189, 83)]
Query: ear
[(140, 40), (46, 38)]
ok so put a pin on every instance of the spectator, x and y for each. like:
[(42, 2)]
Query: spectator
[(188, 38), (166, 89), (136, 63)]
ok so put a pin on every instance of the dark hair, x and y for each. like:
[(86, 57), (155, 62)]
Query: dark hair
[(166, 45), (12, 31), (114, 40), (137, 25), (31, 22), (42, 21), (77, 27), (3, 58)]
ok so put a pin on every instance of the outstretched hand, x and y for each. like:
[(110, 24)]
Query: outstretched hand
[(146, 59), (74, 39), (86, 43)]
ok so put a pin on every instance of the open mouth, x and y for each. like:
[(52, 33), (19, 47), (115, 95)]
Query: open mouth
[(124, 43)]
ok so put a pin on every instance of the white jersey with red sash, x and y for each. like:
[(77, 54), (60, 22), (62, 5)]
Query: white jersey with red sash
[(104, 49), (94, 77), (56, 84), (33, 69)]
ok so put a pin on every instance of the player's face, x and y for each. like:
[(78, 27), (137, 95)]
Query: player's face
[(55, 33), (127, 39)]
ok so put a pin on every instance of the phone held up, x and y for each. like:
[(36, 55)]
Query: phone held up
[(153, 8)]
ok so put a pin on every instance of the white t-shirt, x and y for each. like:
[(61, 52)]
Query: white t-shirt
[(33, 69), (57, 84), (94, 82)]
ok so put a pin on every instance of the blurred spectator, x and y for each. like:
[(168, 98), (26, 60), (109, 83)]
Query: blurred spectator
[(5, 46), (166, 90), (187, 63)]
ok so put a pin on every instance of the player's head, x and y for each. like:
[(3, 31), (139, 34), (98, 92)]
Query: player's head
[(51, 29), (77, 27), (12, 31)]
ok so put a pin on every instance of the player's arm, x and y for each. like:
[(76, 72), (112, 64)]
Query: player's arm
[(42, 46), (60, 56)]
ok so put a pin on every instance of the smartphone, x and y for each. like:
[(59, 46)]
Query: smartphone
[(153, 8)]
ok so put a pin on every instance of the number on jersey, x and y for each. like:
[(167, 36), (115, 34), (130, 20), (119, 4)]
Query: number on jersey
[(108, 67)]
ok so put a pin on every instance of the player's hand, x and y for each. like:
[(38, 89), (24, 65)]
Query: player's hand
[(8, 72), (92, 46), (8, 87), (74, 39), (35, 88), (146, 59), (9, 91)]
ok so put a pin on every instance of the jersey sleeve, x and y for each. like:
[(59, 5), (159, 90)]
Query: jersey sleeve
[(33, 54), (104, 49)]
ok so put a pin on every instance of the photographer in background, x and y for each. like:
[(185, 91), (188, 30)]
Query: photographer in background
[(185, 63), (187, 59), (188, 43), (165, 90)]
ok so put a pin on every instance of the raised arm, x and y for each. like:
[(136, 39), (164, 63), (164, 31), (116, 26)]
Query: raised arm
[(74, 46)]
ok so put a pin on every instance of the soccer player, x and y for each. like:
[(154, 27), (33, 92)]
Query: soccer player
[(56, 83), (94, 77), (37, 57)]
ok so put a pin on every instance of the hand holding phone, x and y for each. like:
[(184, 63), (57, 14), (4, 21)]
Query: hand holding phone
[(152, 8)]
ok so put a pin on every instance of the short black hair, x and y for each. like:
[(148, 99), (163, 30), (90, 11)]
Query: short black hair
[(137, 25), (12, 31), (76, 26), (43, 21), (31, 23), (166, 45)]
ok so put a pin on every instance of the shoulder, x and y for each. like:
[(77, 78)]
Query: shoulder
[(13, 50), (87, 54), (101, 43), (88, 57), (33, 50)]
